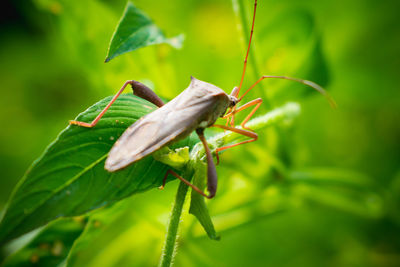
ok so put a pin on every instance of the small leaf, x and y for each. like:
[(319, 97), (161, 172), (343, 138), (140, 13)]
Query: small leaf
[(367, 204), (50, 247), (198, 205), (342, 189), (332, 176), (136, 30), (69, 178)]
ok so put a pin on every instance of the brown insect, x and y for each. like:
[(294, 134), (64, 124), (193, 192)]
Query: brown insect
[(196, 108)]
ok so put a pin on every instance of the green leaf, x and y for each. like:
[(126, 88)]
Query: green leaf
[(50, 247), (136, 30), (298, 53), (69, 178), (198, 205)]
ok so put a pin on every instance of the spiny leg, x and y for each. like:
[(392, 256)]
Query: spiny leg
[(256, 102), (139, 90), (252, 135)]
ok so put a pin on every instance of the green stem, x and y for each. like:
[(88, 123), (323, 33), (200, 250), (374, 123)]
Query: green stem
[(169, 248), (243, 27)]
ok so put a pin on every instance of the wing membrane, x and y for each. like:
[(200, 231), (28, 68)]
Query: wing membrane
[(176, 119)]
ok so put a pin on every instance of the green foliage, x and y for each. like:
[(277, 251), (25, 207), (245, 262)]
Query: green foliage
[(277, 204), (136, 30)]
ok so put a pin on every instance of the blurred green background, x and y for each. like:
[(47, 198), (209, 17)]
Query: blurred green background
[(339, 203)]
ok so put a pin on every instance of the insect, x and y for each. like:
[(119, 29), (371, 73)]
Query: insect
[(196, 108)]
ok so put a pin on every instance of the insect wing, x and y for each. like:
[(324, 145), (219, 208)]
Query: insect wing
[(155, 130)]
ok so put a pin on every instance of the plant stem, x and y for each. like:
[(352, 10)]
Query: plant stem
[(169, 248), (243, 28)]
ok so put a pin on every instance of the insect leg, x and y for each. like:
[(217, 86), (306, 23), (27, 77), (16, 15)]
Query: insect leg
[(146, 93), (252, 135), (139, 89), (256, 102), (230, 120), (212, 179), (183, 180), (211, 171)]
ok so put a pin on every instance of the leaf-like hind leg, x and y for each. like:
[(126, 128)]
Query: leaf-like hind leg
[(212, 179), (139, 90), (252, 135)]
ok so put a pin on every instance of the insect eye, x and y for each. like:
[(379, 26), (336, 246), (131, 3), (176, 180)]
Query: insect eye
[(233, 101)]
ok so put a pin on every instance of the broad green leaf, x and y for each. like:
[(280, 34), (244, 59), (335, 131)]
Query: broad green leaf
[(136, 30), (69, 178), (198, 205), (50, 247)]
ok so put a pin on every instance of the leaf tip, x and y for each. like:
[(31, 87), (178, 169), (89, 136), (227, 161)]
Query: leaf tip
[(215, 237), (177, 41)]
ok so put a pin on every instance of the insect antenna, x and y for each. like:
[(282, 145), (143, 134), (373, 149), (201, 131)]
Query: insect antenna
[(305, 82), (248, 50)]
